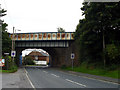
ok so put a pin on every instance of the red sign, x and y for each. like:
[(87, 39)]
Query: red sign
[(2, 62)]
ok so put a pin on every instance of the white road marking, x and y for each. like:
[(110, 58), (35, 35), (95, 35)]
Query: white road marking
[(45, 71), (76, 83), (29, 79), (55, 75), (94, 79)]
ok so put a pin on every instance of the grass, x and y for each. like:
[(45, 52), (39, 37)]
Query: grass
[(99, 72), (8, 71), (12, 70)]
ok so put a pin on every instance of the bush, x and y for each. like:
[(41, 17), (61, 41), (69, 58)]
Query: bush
[(28, 61), (9, 64), (13, 67), (113, 53)]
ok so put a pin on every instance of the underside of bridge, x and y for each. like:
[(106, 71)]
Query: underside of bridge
[(59, 55)]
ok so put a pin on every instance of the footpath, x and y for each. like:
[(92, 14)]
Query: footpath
[(15, 80)]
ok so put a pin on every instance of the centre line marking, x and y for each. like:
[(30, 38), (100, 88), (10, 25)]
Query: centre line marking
[(45, 71), (76, 83), (55, 75)]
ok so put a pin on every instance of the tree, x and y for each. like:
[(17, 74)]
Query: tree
[(99, 28), (6, 40), (60, 29), (28, 60)]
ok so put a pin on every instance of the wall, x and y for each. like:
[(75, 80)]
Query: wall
[(59, 56), (64, 55)]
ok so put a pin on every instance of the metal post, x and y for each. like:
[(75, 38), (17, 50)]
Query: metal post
[(72, 64), (104, 49), (13, 42), (72, 57), (12, 39)]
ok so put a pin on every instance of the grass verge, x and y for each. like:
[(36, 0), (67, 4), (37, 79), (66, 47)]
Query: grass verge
[(99, 72), (10, 71)]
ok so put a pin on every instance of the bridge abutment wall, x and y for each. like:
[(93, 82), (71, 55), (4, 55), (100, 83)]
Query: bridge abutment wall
[(64, 55), (59, 55)]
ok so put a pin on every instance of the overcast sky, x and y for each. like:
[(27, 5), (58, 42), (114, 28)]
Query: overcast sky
[(42, 15)]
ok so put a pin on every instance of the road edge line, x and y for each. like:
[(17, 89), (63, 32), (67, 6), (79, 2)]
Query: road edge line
[(29, 79)]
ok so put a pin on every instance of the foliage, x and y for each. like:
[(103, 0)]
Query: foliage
[(9, 64), (100, 25), (6, 40), (113, 53), (28, 61), (90, 69), (60, 29), (12, 70)]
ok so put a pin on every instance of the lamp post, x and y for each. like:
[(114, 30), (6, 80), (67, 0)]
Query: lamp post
[(13, 42)]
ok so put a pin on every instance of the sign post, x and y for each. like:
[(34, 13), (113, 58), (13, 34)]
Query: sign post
[(72, 57), (13, 53)]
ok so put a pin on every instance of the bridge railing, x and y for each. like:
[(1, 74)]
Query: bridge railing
[(43, 36)]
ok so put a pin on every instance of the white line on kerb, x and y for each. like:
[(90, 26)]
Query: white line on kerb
[(99, 80), (55, 75), (76, 83), (29, 79)]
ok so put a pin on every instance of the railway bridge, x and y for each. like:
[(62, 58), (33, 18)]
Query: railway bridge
[(57, 44)]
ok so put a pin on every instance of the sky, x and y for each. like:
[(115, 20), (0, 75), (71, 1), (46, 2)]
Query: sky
[(42, 15)]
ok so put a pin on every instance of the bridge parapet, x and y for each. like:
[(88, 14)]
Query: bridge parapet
[(43, 36)]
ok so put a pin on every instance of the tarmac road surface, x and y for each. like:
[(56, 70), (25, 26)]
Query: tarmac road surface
[(52, 78)]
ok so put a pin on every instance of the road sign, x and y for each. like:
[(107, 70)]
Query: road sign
[(2, 62), (6, 53), (72, 55), (13, 53)]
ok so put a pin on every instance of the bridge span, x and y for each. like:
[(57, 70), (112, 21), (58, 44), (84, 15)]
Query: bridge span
[(43, 39), (57, 44)]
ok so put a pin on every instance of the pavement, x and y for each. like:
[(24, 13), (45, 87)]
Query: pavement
[(15, 80)]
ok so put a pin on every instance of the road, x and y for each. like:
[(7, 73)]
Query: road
[(52, 78)]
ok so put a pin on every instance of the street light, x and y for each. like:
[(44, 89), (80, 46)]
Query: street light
[(13, 42)]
